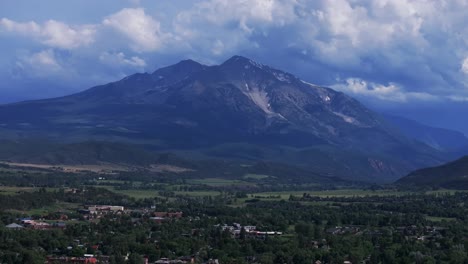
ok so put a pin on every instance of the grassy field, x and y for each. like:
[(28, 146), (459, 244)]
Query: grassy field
[(57, 207), (439, 219), (267, 196), (329, 193), (134, 193), (142, 194), (9, 190), (216, 182), (445, 191), (102, 168), (198, 193), (256, 176)]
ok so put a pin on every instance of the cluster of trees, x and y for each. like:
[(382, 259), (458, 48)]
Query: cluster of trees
[(25, 200)]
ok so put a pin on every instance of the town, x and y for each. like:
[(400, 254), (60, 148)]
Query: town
[(90, 228)]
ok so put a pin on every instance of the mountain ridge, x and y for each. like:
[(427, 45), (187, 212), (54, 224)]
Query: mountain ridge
[(451, 175), (193, 106), (439, 138)]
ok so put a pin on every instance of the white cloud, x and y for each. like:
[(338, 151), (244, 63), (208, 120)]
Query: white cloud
[(223, 27), (464, 66), (391, 92), (218, 47), (41, 64), (22, 28), (347, 32), (44, 58), (52, 33), (119, 59), (141, 29), (457, 98), (246, 13)]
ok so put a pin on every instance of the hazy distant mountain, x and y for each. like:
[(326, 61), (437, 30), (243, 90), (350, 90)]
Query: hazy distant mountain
[(452, 175), (239, 109), (439, 138)]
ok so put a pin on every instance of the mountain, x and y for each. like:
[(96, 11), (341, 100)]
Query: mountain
[(240, 109), (453, 175), (105, 156), (438, 138)]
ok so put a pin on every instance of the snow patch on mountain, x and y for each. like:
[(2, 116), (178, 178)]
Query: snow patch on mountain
[(256, 64), (310, 84), (282, 77), (324, 94), (347, 119)]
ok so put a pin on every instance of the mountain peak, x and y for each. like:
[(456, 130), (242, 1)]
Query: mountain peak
[(237, 58), (178, 71), (189, 62), (183, 66), (242, 61)]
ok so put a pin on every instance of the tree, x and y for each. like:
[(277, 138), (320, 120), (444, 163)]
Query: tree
[(135, 259)]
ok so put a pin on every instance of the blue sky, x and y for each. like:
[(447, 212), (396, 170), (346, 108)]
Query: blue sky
[(409, 57)]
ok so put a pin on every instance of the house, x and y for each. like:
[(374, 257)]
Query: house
[(263, 234), (36, 225), (74, 260), (251, 231), (105, 209), (59, 225), (14, 226), (188, 259), (157, 219), (171, 261), (334, 230), (84, 211), (168, 214), (226, 227), (250, 228)]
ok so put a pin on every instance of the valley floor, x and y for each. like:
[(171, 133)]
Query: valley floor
[(102, 218)]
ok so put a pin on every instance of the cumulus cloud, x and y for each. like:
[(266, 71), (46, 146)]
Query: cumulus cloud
[(246, 14), (40, 64), (217, 28), (416, 43), (389, 92), (52, 33), (464, 66), (119, 59), (141, 29), (458, 98)]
